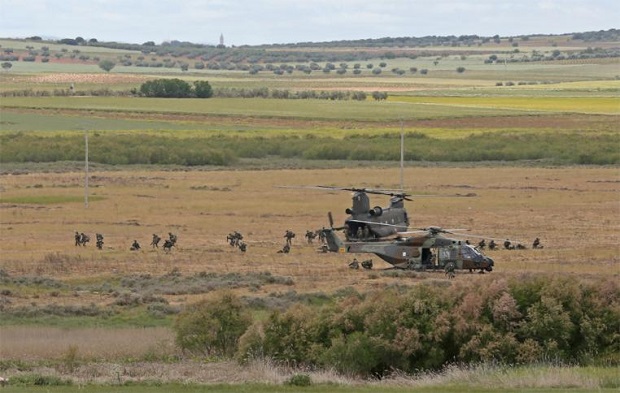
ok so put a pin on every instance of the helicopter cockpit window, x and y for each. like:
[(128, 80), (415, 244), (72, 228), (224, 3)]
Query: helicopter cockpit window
[(468, 252)]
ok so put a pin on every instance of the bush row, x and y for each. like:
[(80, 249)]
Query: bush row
[(560, 148), (523, 320), (201, 92)]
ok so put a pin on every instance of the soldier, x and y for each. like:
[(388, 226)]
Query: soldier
[(289, 235), (520, 246), (310, 236), (355, 264), (77, 239), (367, 264), (242, 246), (537, 244), (168, 244), (366, 232), (285, 250), (450, 268), (99, 237), (84, 238), (173, 238), (508, 245), (482, 244), (359, 233), (155, 241), (492, 245), (135, 246)]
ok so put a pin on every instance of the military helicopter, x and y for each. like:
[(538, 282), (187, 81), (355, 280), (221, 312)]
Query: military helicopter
[(430, 250), (366, 223)]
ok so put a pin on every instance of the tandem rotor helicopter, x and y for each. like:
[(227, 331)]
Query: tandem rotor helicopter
[(429, 250), (366, 223)]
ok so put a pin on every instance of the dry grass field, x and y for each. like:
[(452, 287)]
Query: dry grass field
[(574, 210)]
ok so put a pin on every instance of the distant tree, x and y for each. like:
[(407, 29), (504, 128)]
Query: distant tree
[(184, 66), (376, 71), (379, 95), (383, 64), (423, 71), (7, 65), (80, 40), (369, 66), (107, 65), (68, 41), (413, 70), (93, 41), (460, 70), (202, 89)]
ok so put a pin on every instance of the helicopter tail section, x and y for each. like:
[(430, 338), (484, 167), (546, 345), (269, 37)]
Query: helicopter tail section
[(334, 244)]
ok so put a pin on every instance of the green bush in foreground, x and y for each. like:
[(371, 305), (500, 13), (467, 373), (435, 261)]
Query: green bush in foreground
[(525, 320), (212, 327)]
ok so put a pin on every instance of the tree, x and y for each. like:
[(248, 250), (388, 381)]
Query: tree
[(460, 70), (107, 65), (202, 89), (7, 65), (167, 88)]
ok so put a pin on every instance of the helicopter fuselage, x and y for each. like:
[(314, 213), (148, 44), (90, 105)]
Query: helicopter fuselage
[(425, 252), (366, 223)]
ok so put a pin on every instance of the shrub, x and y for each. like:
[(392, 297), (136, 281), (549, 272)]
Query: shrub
[(212, 327), (299, 380)]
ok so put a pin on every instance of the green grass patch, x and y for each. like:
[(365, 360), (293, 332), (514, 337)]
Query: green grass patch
[(594, 105)]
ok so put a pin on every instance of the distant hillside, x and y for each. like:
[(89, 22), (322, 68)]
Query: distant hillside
[(584, 45)]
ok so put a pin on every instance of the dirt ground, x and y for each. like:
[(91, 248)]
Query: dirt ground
[(575, 211)]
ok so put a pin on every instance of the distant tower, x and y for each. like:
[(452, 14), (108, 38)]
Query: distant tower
[(221, 45)]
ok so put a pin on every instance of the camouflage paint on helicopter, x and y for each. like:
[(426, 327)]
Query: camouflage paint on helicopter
[(429, 251)]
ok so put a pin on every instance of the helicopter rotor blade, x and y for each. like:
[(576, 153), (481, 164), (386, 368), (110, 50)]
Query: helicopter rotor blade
[(331, 219)]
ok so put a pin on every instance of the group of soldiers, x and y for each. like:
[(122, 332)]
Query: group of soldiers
[(235, 239), (81, 239), (536, 244), (311, 235), (367, 264), (168, 243)]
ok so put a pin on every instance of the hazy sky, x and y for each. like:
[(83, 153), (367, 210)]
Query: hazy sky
[(253, 22)]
